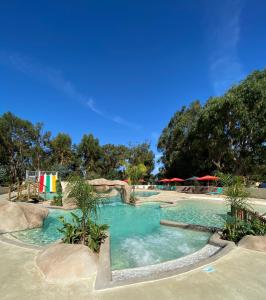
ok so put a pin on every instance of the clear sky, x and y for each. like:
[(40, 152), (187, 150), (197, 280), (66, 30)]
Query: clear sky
[(120, 69)]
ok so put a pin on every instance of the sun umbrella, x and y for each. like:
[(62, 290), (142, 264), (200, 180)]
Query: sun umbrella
[(193, 178), (176, 180), (208, 178), (164, 180)]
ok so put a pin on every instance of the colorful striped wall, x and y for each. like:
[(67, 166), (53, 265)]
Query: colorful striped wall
[(47, 183)]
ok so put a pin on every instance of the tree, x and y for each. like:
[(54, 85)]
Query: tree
[(84, 229), (134, 174), (16, 141), (40, 148), (113, 160), (142, 154), (61, 149), (175, 142), (90, 154), (227, 134)]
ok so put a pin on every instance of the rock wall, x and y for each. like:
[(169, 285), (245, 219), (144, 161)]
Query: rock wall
[(105, 184), (16, 216), (102, 185)]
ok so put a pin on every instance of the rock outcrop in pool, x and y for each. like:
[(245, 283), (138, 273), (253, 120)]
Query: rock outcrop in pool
[(101, 185)]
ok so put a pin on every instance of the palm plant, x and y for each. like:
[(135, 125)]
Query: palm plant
[(84, 229), (237, 198)]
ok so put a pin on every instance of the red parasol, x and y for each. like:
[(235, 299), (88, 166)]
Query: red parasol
[(164, 180), (176, 180), (208, 178)]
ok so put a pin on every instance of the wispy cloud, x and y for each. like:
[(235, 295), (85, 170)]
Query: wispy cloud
[(56, 80), (224, 21)]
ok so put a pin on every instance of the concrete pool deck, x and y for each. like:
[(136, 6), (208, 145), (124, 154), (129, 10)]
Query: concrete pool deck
[(239, 275)]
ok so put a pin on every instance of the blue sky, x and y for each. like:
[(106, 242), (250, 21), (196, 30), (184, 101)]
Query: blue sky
[(120, 69)]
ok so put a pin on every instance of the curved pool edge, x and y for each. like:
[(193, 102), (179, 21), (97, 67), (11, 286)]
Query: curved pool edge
[(106, 278), (9, 238)]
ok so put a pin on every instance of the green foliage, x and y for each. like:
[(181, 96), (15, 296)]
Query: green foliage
[(135, 172), (73, 233), (235, 229), (226, 134), (61, 149), (113, 158), (96, 235), (3, 174), (24, 145), (236, 196), (64, 171), (90, 153), (83, 229), (142, 155), (235, 191), (57, 201), (16, 141)]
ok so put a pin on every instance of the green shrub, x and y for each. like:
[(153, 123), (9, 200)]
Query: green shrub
[(237, 198), (235, 229), (57, 201), (73, 232), (84, 229)]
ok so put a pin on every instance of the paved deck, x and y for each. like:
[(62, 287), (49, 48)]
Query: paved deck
[(239, 275)]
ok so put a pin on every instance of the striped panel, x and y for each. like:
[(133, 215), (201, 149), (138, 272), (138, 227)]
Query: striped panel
[(47, 183), (41, 184), (53, 185)]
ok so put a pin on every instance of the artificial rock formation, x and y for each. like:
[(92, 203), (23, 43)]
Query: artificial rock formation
[(66, 263), (102, 184), (253, 242), (16, 216)]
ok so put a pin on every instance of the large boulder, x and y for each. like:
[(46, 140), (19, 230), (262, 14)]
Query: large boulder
[(16, 216), (66, 263), (253, 242)]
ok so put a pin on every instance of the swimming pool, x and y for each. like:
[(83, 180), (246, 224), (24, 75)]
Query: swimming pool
[(146, 193), (137, 238)]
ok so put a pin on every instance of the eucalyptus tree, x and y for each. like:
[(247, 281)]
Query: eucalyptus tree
[(41, 147), (113, 157), (142, 154), (16, 141), (61, 149), (90, 153)]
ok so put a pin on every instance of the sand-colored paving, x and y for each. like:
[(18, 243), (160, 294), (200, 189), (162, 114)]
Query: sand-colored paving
[(241, 274)]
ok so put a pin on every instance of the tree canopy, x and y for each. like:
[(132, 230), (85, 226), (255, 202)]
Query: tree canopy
[(24, 145), (227, 134)]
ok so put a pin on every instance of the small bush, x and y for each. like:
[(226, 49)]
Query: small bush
[(57, 201)]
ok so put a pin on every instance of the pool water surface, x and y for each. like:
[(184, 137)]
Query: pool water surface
[(137, 238)]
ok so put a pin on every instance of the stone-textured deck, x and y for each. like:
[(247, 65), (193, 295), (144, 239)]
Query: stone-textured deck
[(239, 275)]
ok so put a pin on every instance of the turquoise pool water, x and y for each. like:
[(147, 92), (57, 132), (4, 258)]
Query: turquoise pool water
[(146, 193), (48, 196), (137, 239)]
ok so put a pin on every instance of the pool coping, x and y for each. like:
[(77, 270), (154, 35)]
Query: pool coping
[(104, 278)]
